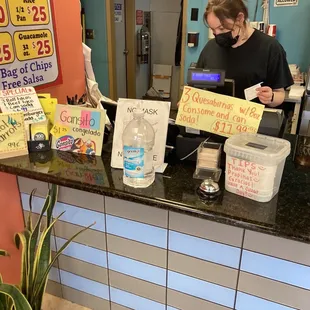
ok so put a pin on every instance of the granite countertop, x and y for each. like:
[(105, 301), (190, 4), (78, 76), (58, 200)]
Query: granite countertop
[(287, 215)]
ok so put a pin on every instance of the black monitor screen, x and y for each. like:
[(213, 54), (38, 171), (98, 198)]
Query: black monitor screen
[(206, 77)]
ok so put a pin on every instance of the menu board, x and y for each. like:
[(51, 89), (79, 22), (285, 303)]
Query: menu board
[(27, 44), (13, 141)]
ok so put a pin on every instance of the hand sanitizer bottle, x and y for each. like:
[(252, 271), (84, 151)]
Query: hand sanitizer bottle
[(138, 143)]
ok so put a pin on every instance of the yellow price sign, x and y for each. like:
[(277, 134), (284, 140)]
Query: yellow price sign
[(29, 13), (59, 130), (33, 44), (222, 115), (4, 19), (6, 49)]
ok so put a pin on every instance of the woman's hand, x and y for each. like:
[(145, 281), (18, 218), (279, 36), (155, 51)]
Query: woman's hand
[(265, 94)]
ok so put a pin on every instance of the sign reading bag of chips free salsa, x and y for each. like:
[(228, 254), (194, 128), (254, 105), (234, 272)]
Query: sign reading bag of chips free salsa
[(78, 129)]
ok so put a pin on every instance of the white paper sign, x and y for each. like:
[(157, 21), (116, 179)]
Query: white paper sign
[(285, 3), (118, 12), (24, 100), (156, 112)]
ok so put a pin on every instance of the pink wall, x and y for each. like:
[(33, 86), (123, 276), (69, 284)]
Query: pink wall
[(11, 221)]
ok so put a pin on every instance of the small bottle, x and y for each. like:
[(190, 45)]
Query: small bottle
[(138, 143)]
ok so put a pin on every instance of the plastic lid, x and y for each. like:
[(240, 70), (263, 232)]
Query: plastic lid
[(258, 148)]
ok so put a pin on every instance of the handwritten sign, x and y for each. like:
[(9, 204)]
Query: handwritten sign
[(59, 130), (22, 100), (248, 179), (78, 130), (13, 141), (222, 115), (28, 49)]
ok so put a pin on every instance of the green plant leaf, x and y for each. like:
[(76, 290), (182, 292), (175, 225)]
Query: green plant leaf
[(2, 302), (40, 289), (25, 264), (32, 247), (19, 300), (54, 196), (43, 258), (2, 297), (4, 253), (43, 255), (29, 220), (21, 239)]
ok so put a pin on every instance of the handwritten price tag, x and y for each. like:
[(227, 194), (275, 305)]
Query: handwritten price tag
[(222, 115), (6, 49), (4, 20), (59, 130), (228, 129), (29, 14), (33, 44)]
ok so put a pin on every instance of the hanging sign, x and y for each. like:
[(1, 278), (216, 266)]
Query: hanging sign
[(156, 113), (28, 48), (278, 3), (13, 141), (118, 12), (78, 129), (219, 114)]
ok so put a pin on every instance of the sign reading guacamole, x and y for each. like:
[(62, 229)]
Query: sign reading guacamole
[(78, 130)]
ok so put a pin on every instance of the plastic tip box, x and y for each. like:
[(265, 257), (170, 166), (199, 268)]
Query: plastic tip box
[(254, 165)]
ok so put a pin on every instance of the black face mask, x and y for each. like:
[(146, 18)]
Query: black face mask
[(226, 39)]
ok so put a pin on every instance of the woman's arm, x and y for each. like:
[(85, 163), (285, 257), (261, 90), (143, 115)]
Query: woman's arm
[(271, 97)]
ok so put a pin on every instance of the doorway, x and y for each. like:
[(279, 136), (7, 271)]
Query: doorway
[(120, 48), (132, 79)]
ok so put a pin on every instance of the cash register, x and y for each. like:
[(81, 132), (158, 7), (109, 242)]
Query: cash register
[(188, 140)]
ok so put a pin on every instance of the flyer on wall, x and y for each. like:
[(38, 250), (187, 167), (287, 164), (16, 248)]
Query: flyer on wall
[(278, 3), (28, 45)]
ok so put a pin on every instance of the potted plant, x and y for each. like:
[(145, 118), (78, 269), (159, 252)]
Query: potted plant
[(36, 260)]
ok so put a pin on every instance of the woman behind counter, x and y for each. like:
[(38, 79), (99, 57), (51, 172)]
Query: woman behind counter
[(247, 55)]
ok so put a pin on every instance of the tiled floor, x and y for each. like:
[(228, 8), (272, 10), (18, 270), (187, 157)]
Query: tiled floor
[(54, 303)]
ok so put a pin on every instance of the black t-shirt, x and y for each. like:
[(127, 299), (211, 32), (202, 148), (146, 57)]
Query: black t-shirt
[(260, 59)]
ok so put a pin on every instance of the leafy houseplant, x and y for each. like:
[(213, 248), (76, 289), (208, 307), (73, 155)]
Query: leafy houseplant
[(36, 260)]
